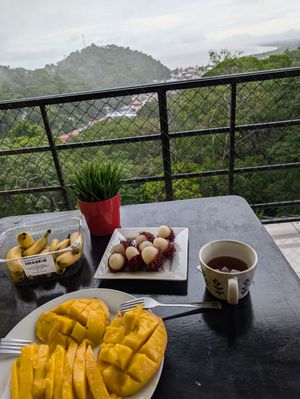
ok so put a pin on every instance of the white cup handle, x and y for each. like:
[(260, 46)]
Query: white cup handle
[(233, 291)]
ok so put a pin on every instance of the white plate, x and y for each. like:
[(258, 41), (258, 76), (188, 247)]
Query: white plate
[(25, 329), (174, 269)]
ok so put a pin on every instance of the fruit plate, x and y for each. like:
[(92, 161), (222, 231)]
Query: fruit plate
[(174, 269), (25, 329)]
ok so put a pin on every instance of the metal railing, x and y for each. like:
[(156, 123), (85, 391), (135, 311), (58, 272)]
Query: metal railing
[(44, 112)]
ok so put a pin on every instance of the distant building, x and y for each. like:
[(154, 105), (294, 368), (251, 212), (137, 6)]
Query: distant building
[(186, 73)]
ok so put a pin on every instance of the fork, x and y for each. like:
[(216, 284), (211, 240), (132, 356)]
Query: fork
[(149, 303), (12, 346)]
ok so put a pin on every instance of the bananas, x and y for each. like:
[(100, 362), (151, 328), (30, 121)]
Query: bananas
[(66, 259), (54, 245), (63, 244), (25, 240), (28, 247), (38, 245), (15, 265), (69, 258)]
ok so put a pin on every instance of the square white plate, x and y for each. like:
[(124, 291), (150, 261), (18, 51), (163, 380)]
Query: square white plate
[(174, 269)]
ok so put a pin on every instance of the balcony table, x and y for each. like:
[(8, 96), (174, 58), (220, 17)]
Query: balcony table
[(251, 350)]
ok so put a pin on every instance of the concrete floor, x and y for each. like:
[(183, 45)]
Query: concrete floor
[(287, 237)]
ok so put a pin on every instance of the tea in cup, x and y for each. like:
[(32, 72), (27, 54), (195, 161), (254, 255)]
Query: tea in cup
[(228, 268)]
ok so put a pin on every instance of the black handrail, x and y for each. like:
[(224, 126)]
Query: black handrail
[(152, 88)]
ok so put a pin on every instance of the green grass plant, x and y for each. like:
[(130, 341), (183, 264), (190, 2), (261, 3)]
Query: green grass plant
[(97, 181)]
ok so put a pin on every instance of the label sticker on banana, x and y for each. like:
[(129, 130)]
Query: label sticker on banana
[(39, 264)]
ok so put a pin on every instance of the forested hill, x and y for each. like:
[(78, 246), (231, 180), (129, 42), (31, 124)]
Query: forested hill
[(92, 68)]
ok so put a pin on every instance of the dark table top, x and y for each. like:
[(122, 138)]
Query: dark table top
[(243, 351)]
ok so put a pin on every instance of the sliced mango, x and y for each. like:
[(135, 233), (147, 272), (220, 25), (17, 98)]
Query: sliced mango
[(26, 371), (79, 376), (40, 370), (94, 377), (59, 355), (77, 319), (131, 351), (67, 388), (79, 332), (76, 310), (95, 327), (14, 382), (50, 378), (118, 355)]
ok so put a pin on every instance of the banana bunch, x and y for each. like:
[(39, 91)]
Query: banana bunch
[(67, 259), (28, 247)]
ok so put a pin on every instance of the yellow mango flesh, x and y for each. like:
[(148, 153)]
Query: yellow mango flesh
[(74, 320), (79, 332), (40, 370), (67, 388), (14, 382), (50, 377), (95, 327), (94, 377), (26, 371), (59, 355), (79, 376), (132, 350)]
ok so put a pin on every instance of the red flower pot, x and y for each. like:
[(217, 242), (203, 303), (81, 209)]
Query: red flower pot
[(102, 217)]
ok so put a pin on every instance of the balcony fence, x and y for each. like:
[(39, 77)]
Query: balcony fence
[(235, 134)]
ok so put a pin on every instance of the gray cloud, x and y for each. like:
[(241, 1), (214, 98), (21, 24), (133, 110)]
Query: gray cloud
[(177, 32)]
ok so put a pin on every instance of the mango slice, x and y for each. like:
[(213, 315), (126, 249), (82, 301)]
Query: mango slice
[(79, 319), (132, 350), (67, 387), (79, 376), (14, 382), (59, 356), (50, 378), (65, 367), (40, 370), (26, 371), (94, 377)]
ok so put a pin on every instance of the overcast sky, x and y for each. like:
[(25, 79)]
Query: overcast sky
[(177, 32)]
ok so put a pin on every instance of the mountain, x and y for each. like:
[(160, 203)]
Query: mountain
[(92, 68)]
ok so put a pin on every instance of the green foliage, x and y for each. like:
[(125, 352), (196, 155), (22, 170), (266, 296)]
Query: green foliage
[(226, 63), (24, 128), (97, 181)]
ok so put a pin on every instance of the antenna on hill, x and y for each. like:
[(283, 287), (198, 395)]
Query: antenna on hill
[(83, 41)]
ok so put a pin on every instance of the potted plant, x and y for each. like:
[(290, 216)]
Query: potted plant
[(97, 185)]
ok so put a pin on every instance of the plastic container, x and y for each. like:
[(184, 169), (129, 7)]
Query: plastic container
[(50, 266)]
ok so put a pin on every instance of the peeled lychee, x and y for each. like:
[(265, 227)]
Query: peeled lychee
[(121, 248), (166, 232), (153, 258), (144, 244), (165, 246), (144, 236), (116, 262), (134, 259)]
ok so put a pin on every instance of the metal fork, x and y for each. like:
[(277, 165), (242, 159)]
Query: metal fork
[(12, 346), (149, 303)]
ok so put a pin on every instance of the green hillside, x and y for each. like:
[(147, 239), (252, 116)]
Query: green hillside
[(92, 68)]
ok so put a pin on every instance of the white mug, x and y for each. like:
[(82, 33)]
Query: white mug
[(230, 286)]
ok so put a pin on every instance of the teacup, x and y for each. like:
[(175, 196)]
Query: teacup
[(230, 285)]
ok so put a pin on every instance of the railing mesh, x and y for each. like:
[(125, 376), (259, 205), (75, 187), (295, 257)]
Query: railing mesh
[(189, 145)]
